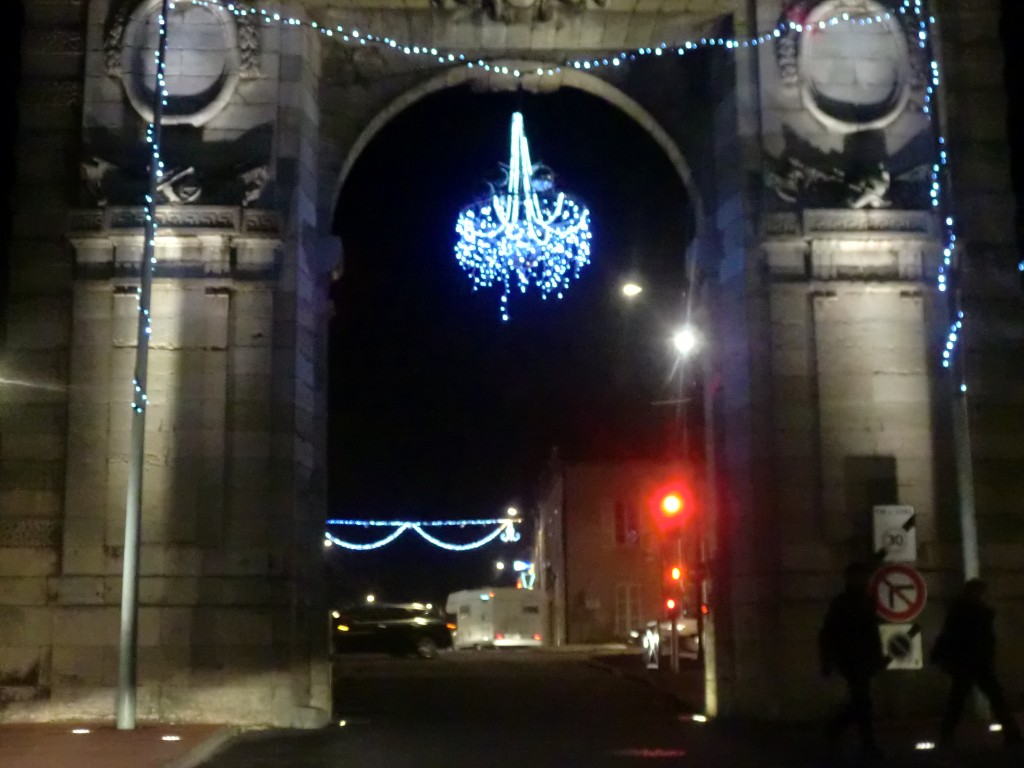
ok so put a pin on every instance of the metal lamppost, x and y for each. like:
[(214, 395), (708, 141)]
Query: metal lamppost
[(127, 669)]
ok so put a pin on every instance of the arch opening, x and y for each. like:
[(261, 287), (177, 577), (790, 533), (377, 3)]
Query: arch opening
[(440, 410)]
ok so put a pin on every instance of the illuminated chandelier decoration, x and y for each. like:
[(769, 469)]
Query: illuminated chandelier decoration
[(527, 233), (505, 529)]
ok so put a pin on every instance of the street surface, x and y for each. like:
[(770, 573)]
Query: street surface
[(537, 709), (480, 709)]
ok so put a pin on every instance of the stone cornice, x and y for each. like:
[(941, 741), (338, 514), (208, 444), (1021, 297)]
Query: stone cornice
[(174, 220), (827, 223)]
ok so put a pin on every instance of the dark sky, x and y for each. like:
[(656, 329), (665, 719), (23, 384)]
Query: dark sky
[(438, 408)]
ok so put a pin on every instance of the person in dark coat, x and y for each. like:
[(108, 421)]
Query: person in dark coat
[(966, 650), (849, 644)]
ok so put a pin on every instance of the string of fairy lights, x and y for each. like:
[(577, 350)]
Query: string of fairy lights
[(140, 397), (913, 10), (504, 527)]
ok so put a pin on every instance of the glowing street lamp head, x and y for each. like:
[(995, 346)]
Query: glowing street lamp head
[(512, 512), (684, 340), (632, 290), (371, 598), (500, 565)]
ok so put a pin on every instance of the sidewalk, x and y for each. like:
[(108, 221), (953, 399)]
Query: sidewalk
[(103, 746), (739, 744)]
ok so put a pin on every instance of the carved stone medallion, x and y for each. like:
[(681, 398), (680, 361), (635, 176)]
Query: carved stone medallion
[(852, 76), (208, 51)]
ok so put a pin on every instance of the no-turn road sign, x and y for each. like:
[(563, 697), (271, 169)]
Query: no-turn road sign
[(899, 592)]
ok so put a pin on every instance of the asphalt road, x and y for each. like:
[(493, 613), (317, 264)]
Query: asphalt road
[(508, 709), (479, 710)]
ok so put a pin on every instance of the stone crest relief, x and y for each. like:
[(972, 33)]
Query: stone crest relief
[(856, 67), (851, 76), (515, 11), (210, 51)]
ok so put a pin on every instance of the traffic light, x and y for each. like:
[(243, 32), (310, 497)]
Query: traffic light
[(672, 607), (672, 506)]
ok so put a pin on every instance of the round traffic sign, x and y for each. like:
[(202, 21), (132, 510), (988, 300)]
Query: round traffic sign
[(899, 592)]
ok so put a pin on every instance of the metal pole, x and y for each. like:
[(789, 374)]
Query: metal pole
[(958, 365), (127, 661), (965, 476), (708, 543), (674, 645)]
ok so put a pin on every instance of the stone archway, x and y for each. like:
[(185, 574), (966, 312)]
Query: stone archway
[(567, 78), (810, 293)]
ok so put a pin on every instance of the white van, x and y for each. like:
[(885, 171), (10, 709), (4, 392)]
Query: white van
[(497, 617)]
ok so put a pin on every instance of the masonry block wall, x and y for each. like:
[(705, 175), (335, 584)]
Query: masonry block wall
[(975, 117), (33, 419), (233, 478), (832, 327)]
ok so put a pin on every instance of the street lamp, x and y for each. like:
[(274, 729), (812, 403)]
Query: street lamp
[(500, 565), (512, 512), (371, 598), (685, 340), (631, 290)]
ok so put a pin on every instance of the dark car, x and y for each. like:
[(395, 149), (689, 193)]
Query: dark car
[(398, 629)]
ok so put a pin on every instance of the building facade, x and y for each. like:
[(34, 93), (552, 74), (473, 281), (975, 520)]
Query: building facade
[(600, 556)]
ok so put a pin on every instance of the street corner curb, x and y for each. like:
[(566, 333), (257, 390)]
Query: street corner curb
[(203, 751)]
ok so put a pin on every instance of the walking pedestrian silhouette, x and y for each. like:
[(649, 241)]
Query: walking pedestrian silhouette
[(849, 644), (966, 650)]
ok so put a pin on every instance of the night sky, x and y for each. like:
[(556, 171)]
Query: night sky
[(438, 408)]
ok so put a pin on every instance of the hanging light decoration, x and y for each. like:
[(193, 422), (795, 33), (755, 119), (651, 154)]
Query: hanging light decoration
[(504, 527), (525, 234)]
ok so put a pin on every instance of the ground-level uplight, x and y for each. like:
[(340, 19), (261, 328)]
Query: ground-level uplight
[(995, 727), (342, 723), (170, 737), (924, 745), (80, 731), (694, 718)]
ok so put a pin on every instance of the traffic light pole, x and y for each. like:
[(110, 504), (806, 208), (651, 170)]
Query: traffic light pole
[(674, 616)]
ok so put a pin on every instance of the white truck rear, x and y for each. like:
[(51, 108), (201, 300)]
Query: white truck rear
[(497, 617)]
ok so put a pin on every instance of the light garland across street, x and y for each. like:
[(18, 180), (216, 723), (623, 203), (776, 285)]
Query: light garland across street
[(504, 528)]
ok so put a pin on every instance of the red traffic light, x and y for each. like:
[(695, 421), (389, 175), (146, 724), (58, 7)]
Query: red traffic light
[(672, 505), (672, 607)]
